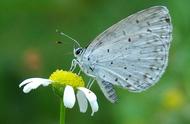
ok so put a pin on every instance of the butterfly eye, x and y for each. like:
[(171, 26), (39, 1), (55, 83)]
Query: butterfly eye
[(78, 51)]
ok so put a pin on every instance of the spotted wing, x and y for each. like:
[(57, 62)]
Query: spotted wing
[(134, 52), (135, 64), (107, 89), (154, 19)]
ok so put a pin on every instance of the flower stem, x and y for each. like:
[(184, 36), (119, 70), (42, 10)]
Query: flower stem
[(62, 112)]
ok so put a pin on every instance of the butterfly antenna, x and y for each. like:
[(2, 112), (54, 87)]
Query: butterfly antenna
[(63, 34)]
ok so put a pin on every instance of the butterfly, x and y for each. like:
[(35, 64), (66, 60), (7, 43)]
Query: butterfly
[(132, 54)]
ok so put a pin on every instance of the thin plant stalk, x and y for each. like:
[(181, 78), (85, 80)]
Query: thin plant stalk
[(62, 112)]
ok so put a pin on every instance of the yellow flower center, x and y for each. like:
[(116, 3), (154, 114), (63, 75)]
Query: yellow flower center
[(62, 78)]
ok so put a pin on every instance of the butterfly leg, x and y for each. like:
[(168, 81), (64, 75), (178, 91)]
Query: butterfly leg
[(79, 72), (73, 65), (90, 83)]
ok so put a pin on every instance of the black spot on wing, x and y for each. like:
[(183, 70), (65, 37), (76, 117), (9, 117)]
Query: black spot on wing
[(129, 39), (128, 85), (137, 21), (116, 79), (148, 23), (91, 68), (148, 30), (147, 76), (167, 20)]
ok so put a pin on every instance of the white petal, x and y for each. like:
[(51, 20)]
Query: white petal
[(83, 103), (91, 98), (94, 106), (33, 83), (44, 82), (69, 97)]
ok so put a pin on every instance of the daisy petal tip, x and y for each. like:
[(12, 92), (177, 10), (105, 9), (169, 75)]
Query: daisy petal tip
[(24, 82), (92, 114), (27, 91), (33, 83), (94, 106), (91, 97)]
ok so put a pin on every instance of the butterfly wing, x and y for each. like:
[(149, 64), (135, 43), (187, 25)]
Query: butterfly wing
[(133, 53), (107, 89), (154, 19), (135, 65)]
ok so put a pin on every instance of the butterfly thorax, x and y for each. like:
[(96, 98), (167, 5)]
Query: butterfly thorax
[(85, 63)]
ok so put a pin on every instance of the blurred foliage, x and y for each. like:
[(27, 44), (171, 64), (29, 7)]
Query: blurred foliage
[(28, 49)]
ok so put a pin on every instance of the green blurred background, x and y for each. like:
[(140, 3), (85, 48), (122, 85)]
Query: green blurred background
[(28, 49)]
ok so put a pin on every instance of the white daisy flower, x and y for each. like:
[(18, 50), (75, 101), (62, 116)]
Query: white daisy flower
[(69, 81)]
